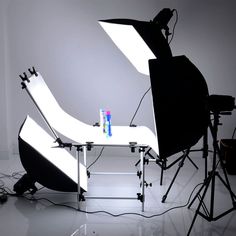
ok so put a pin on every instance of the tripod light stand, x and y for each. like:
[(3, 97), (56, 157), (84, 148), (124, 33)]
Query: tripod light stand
[(216, 111), (179, 94)]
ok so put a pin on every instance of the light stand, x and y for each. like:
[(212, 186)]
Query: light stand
[(209, 215)]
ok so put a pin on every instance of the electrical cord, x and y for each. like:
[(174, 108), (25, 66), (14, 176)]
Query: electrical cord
[(109, 213), (135, 113), (5, 191), (96, 158), (15, 175), (173, 30)]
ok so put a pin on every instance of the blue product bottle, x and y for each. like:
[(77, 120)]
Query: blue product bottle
[(108, 125)]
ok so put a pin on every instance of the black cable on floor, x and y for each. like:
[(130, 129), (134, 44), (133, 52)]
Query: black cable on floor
[(109, 213)]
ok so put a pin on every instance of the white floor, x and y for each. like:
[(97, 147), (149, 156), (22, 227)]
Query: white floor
[(21, 217)]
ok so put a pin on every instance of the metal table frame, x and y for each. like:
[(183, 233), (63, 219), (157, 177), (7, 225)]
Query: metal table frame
[(141, 173)]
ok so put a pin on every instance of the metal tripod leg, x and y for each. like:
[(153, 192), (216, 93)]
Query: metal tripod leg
[(200, 203), (209, 215), (185, 155), (192, 162)]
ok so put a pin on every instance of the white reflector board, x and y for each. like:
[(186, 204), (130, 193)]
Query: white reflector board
[(128, 40)]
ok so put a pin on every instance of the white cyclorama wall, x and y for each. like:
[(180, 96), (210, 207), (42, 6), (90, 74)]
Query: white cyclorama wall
[(86, 71)]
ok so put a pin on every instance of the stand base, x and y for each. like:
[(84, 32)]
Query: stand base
[(210, 180)]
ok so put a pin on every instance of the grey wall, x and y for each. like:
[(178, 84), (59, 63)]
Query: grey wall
[(84, 69), (3, 91)]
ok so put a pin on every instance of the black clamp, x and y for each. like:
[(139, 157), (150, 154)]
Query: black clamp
[(62, 144), (146, 161), (33, 71), (89, 146), (132, 146), (139, 174), (140, 197), (147, 184), (142, 148), (79, 148), (88, 173), (24, 77), (96, 124), (23, 86)]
